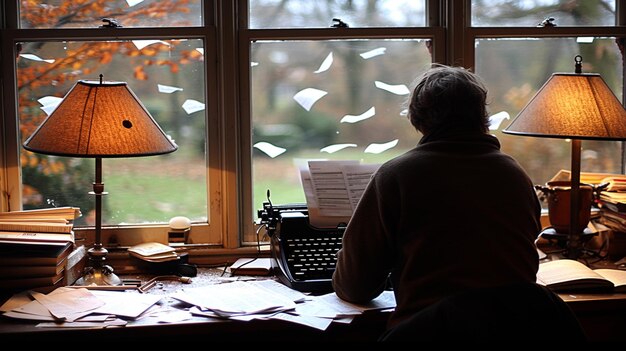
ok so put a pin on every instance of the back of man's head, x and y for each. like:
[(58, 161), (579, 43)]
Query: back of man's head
[(449, 98)]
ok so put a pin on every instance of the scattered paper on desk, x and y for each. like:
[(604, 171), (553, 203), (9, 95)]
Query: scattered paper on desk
[(316, 308), (276, 288), (173, 316), (125, 304), (331, 306), (69, 305), (309, 321), (15, 301), (29, 316), (108, 323), (234, 299)]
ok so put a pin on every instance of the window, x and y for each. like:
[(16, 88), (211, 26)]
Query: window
[(251, 89), (518, 60), (329, 93), (343, 102), (528, 64), (516, 13), (264, 14), (166, 69)]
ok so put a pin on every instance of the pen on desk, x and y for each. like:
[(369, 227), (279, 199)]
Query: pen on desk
[(105, 287)]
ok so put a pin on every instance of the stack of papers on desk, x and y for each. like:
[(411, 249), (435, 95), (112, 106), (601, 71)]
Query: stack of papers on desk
[(268, 299), (238, 299)]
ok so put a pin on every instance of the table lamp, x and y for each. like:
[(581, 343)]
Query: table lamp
[(99, 119), (577, 106)]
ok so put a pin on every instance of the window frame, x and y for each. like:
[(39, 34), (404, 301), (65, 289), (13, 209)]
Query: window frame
[(10, 176), (229, 118)]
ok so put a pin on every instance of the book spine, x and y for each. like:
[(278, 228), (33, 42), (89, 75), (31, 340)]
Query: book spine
[(36, 237), (37, 228), (75, 265)]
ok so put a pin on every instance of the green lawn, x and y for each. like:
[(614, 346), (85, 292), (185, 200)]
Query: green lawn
[(149, 198)]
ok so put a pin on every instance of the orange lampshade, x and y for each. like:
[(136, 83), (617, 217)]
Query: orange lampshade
[(100, 119), (573, 106)]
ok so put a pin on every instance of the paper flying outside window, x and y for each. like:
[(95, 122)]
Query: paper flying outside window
[(328, 61), (373, 53), (167, 89), (375, 148), (36, 58), (496, 120), (132, 3), (140, 44), (271, 150), (200, 50), (190, 106), (336, 147), (365, 115), (399, 89), (307, 97), (254, 64), (49, 103)]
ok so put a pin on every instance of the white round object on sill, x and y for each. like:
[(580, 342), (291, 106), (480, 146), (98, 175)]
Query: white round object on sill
[(180, 222)]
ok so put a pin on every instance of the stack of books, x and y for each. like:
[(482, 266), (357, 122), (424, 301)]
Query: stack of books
[(612, 203), (37, 249), (613, 209)]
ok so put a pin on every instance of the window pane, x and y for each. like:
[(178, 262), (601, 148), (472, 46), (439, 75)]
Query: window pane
[(168, 77), (308, 96), (529, 13), (514, 69), (355, 13), (128, 13)]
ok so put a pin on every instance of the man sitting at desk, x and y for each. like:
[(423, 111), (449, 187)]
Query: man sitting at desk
[(451, 215)]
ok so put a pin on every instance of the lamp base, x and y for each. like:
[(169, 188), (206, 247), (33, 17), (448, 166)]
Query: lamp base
[(551, 233), (563, 240), (99, 276), (98, 273)]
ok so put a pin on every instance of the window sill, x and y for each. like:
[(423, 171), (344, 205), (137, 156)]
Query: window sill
[(199, 255)]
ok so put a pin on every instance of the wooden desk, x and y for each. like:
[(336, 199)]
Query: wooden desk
[(366, 327), (603, 317)]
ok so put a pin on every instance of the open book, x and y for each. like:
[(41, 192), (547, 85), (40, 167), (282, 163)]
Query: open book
[(567, 274)]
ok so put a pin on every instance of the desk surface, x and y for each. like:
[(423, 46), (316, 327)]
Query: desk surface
[(366, 327), (602, 315)]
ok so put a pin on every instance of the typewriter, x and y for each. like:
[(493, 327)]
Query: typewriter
[(303, 256)]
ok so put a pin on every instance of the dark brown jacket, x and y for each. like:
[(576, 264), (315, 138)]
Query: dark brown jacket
[(452, 214)]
